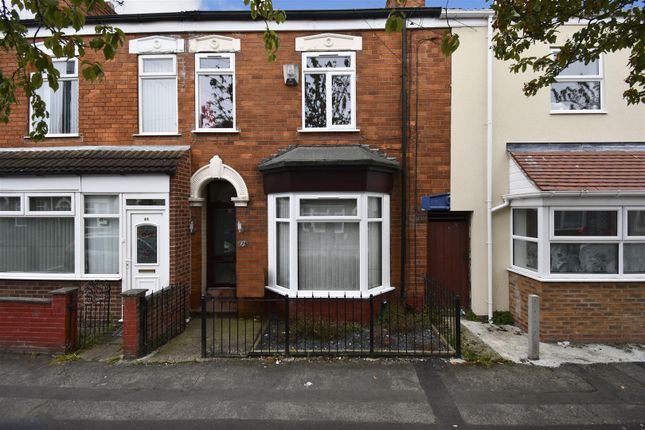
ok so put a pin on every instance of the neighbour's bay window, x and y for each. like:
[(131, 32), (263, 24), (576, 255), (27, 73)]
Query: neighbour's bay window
[(329, 244), (578, 88), (158, 94), (50, 235), (215, 92), (329, 91), (580, 242), (61, 104)]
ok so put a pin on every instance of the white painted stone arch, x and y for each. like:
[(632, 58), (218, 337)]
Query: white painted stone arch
[(216, 170)]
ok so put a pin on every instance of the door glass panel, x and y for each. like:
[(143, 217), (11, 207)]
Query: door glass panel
[(225, 235), (224, 273), (147, 244)]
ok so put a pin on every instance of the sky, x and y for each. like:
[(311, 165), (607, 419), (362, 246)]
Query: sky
[(141, 6)]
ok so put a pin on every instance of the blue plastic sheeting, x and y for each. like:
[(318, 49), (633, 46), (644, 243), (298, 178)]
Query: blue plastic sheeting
[(436, 202)]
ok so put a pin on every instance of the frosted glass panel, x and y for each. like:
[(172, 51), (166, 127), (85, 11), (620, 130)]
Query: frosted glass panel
[(328, 256), (37, 245)]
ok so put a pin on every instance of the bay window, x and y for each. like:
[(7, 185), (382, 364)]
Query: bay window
[(158, 94), (61, 104), (215, 92), (329, 244), (579, 242), (329, 91)]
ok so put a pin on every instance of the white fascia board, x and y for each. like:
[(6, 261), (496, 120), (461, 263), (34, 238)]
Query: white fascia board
[(259, 26)]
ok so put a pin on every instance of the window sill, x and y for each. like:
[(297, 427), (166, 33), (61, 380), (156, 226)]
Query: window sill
[(217, 131), (329, 130), (589, 278), (330, 294), (156, 135), (578, 112), (57, 136), (61, 277)]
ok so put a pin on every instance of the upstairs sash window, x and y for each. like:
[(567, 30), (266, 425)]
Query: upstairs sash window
[(62, 104), (158, 94), (215, 91)]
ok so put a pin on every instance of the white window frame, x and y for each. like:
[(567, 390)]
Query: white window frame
[(158, 75), (47, 97), (546, 236), (329, 72), (580, 78), (85, 216), (22, 204), (230, 71), (515, 237), (361, 218)]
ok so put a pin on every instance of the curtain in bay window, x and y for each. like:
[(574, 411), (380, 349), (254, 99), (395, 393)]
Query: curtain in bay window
[(37, 245), (282, 278), (328, 256), (374, 255)]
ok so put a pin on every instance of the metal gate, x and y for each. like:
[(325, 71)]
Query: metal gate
[(94, 318)]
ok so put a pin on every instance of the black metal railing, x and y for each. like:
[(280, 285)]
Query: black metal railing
[(93, 317), (163, 315), (422, 324)]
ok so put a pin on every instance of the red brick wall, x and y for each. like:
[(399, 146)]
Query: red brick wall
[(39, 325), (180, 245), (582, 312), (268, 116)]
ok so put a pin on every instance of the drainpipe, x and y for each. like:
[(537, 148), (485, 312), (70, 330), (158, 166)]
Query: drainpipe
[(404, 150), (489, 167)]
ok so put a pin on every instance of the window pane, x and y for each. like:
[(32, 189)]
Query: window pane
[(282, 254), (158, 105), (634, 258), (584, 258), (215, 101), (329, 61), (328, 207), (37, 245), (635, 223), (282, 207), (585, 223), (101, 204), (215, 63), (525, 222), (341, 98), (374, 255), (315, 101), (65, 67), (525, 254), (579, 68), (50, 204), (145, 202), (583, 95), (374, 207), (147, 244), (328, 256), (158, 65), (63, 108), (102, 245), (9, 204)]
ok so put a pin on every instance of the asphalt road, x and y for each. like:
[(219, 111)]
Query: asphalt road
[(332, 394)]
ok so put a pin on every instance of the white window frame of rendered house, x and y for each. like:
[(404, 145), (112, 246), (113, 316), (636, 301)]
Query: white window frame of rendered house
[(580, 78), (47, 97), (546, 237), (361, 218), (515, 237), (158, 75), (230, 71), (329, 72)]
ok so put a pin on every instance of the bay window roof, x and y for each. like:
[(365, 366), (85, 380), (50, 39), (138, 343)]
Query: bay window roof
[(329, 155), (91, 160), (581, 167)]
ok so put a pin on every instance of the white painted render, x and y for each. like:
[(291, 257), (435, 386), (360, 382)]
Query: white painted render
[(516, 118)]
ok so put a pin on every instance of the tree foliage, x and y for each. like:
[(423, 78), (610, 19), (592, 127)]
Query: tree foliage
[(609, 26), (33, 66)]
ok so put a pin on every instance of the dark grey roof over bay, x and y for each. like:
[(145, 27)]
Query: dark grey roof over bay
[(91, 160), (329, 156)]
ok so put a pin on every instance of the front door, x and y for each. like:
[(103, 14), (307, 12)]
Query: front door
[(449, 253), (145, 257), (221, 242)]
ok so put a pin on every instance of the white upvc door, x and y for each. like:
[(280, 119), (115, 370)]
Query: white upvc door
[(146, 262)]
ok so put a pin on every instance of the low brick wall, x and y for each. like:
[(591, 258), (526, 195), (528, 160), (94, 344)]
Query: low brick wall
[(581, 312), (39, 324)]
